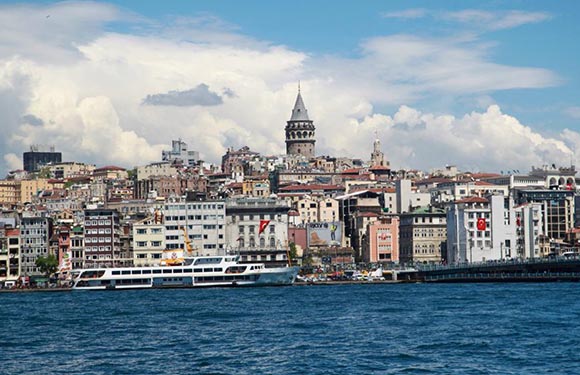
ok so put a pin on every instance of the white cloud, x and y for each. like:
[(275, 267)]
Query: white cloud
[(497, 20), (406, 14), (489, 140), (84, 93), (13, 162)]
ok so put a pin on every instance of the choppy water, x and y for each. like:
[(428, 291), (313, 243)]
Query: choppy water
[(343, 329)]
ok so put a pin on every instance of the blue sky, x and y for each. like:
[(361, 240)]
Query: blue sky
[(445, 82)]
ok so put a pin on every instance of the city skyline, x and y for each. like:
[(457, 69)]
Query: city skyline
[(484, 87)]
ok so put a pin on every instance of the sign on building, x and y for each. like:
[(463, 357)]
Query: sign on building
[(324, 234)]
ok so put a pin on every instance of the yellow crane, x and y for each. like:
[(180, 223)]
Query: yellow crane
[(187, 241)]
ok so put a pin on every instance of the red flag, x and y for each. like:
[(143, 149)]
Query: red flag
[(481, 224), (263, 225)]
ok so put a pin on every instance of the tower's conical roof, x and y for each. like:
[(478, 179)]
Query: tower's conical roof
[(299, 113)]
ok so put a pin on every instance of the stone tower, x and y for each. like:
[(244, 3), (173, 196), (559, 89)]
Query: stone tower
[(300, 131), (377, 156)]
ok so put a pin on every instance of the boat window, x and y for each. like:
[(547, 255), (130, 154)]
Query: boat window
[(136, 272), (166, 271), (146, 272), (156, 271), (198, 270), (178, 270), (187, 270), (125, 272), (217, 270), (116, 272)]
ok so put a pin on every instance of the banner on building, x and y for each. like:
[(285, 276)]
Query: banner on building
[(324, 234)]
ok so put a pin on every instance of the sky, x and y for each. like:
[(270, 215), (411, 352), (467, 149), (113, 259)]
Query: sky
[(486, 86)]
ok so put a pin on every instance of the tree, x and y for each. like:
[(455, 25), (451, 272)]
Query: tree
[(292, 251), (47, 265)]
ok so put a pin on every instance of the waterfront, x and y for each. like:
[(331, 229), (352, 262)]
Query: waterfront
[(370, 329)]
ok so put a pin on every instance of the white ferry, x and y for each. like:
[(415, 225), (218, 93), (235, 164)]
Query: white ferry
[(203, 271)]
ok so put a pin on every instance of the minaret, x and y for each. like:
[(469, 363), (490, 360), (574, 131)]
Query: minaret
[(300, 131)]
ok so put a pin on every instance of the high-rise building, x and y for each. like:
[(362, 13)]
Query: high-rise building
[(102, 238), (35, 234), (39, 156), (300, 131)]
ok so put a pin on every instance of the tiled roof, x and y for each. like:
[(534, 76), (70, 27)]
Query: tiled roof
[(299, 113), (473, 200)]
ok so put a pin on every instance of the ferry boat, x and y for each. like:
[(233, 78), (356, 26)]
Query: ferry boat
[(202, 271)]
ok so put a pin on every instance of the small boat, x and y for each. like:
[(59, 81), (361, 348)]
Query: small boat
[(192, 272)]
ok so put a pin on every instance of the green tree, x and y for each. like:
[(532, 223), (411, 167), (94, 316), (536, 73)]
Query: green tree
[(132, 174), (47, 265), (292, 251)]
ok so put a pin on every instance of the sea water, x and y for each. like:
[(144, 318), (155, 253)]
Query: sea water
[(337, 329)]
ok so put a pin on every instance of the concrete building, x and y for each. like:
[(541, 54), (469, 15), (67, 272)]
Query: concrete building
[(77, 247), (423, 235), (9, 254), (381, 243), (481, 229), (300, 131), (468, 232), (529, 234), (451, 191), (148, 240), (164, 168), (245, 218), (233, 162), (557, 209), (30, 188), (110, 172), (39, 156), (204, 221), (407, 198), (35, 233), (102, 238), (179, 154), (9, 193), (71, 169)]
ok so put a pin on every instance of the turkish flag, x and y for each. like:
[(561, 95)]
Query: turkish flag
[(481, 224), (263, 225)]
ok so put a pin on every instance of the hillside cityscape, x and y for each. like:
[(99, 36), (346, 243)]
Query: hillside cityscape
[(322, 212)]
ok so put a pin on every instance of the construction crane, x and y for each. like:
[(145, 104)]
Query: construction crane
[(187, 241)]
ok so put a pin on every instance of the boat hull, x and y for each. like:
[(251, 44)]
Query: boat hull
[(260, 277)]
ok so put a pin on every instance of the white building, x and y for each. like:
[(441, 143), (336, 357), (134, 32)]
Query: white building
[(204, 222), (257, 224), (529, 230), (407, 198), (481, 229), (148, 240), (179, 153)]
